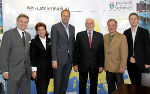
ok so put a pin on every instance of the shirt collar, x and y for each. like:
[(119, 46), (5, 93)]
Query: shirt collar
[(111, 35), (65, 25), (42, 39), (20, 31), (135, 29), (91, 32)]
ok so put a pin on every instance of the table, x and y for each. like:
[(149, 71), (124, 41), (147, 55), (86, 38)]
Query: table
[(132, 89)]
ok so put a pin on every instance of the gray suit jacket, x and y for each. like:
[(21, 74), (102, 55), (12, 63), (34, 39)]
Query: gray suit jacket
[(61, 44), (14, 56)]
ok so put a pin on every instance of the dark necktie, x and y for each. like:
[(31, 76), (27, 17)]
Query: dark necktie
[(90, 38), (23, 38)]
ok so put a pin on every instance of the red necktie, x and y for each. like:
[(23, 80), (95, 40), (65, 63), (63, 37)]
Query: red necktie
[(90, 38)]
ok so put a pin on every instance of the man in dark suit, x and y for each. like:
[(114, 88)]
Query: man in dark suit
[(89, 56), (138, 53), (15, 59), (40, 54), (63, 38)]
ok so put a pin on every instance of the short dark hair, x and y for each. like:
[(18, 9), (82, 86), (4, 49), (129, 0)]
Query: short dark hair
[(22, 15), (133, 14), (65, 10), (111, 20), (40, 24)]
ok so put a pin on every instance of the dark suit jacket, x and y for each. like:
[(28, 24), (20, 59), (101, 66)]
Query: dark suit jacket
[(141, 48), (86, 57), (41, 58), (14, 56), (61, 44)]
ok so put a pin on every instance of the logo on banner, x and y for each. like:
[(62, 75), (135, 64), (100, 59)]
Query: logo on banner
[(121, 5), (111, 5)]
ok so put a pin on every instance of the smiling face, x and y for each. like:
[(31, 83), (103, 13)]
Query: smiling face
[(41, 31), (22, 23), (65, 16), (133, 20)]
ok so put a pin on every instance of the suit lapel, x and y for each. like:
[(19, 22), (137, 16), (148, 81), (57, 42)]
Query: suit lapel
[(131, 40), (86, 38), (130, 35), (63, 30), (107, 41), (48, 43), (18, 36), (113, 40), (93, 39), (27, 37), (40, 43), (136, 36), (70, 33)]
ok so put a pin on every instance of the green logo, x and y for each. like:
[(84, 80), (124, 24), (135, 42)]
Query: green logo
[(111, 5)]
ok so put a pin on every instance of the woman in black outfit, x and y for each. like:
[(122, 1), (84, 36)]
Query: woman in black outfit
[(40, 54)]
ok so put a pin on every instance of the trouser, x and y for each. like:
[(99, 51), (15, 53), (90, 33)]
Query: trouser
[(83, 76), (135, 74), (114, 79), (22, 85), (42, 86), (61, 77)]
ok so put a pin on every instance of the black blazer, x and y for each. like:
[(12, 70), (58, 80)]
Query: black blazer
[(41, 58), (141, 48), (89, 58)]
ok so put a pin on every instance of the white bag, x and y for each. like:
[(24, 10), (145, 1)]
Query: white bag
[(145, 81)]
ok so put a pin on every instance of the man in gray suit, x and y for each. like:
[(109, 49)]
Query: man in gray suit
[(62, 35), (14, 57)]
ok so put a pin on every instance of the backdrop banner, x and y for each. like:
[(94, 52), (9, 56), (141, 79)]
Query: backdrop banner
[(49, 12)]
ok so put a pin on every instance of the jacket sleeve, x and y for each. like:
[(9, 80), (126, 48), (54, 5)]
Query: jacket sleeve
[(147, 47), (33, 54), (54, 43), (124, 52), (4, 51), (102, 52), (76, 50)]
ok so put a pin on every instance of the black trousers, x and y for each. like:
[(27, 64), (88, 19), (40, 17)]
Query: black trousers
[(114, 79), (42, 86), (83, 76), (135, 74)]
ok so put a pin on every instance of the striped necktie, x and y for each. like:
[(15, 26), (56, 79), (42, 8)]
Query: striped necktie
[(23, 38)]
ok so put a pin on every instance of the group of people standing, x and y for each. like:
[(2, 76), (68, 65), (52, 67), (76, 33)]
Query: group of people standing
[(90, 53)]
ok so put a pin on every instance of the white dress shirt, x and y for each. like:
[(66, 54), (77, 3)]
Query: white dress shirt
[(20, 32), (133, 37)]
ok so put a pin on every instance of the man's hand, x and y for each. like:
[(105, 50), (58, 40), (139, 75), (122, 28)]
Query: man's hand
[(76, 68), (147, 66), (5, 75), (101, 69), (54, 64), (132, 60), (34, 74), (122, 70)]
